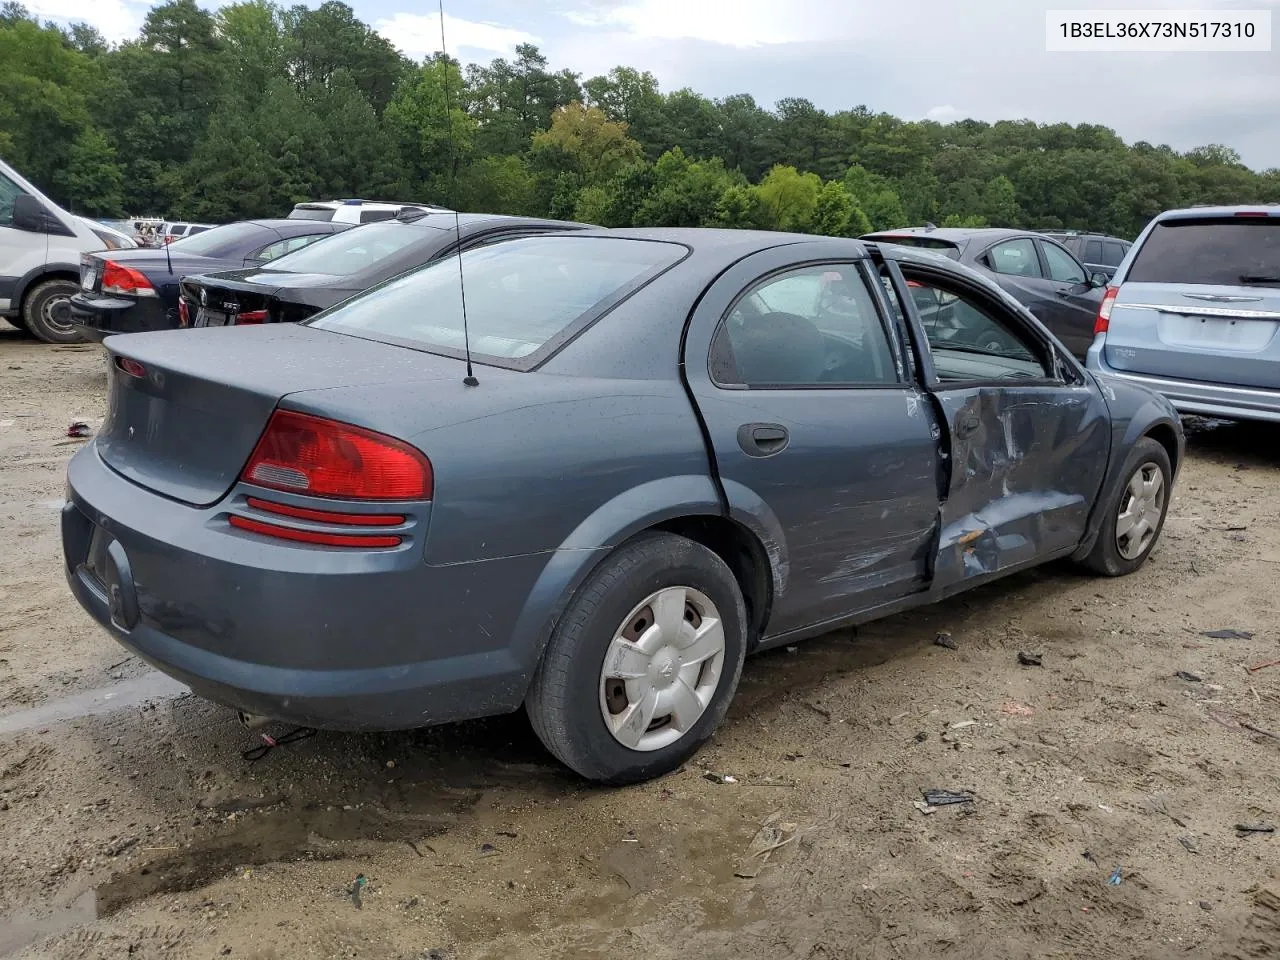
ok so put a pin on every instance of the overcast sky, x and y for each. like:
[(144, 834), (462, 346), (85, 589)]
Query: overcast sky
[(943, 59)]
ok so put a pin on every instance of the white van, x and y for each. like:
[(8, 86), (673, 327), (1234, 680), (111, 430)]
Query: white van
[(40, 247)]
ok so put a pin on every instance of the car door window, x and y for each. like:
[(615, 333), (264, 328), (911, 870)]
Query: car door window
[(1062, 266), (971, 339), (1112, 253), (1093, 251), (9, 192), (1015, 258), (812, 327), (376, 216)]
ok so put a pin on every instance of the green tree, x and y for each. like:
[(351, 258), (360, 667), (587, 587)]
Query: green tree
[(789, 198), (837, 214), (583, 141)]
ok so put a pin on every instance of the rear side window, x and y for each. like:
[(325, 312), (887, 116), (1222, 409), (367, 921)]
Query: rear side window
[(1225, 250), (9, 192), (376, 216), (524, 297), (305, 212), (1093, 251)]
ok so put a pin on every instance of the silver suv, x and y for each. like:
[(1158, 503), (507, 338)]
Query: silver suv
[(1194, 312)]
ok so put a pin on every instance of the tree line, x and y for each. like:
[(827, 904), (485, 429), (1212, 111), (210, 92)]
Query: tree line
[(247, 110)]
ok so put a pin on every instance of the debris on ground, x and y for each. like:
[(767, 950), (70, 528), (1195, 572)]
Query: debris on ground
[(1115, 878), (1090, 857), (1189, 844), (773, 834), (719, 777), (1227, 634), (357, 889), (921, 737), (1030, 659), (1015, 709), (1262, 666), (78, 428), (1244, 829), (820, 711), (944, 798), (944, 639), (1189, 677), (488, 850)]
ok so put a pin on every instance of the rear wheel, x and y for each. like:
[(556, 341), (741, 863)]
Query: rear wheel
[(641, 668), (1136, 513), (46, 311)]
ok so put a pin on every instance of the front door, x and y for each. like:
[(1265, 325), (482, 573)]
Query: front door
[(1074, 307), (816, 429), (1027, 440)]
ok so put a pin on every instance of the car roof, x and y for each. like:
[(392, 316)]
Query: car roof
[(1199, 213), (953, 234)]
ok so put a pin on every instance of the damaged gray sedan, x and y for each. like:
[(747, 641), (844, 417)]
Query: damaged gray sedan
[(678, 447)]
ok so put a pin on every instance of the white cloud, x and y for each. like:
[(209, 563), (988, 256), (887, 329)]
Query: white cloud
[(736, 23), (116, 20), (418, 35), (942, 113)]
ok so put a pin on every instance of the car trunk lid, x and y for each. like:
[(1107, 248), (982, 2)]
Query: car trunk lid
[(187, 407), (222, 301)]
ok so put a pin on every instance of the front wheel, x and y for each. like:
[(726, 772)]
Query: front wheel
[(46, 311), (1136, 513), (640, 670)]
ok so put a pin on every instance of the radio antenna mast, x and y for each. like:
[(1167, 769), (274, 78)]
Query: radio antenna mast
[(470, 379)]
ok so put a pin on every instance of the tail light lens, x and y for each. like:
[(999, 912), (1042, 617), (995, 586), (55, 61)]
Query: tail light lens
[(184, 313), (251, 316), (317, 537), (117, 278), (1104, 311), (324, 458)]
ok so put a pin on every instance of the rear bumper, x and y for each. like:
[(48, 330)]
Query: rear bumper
[(1195, 397), (97, 317), (335, 639)]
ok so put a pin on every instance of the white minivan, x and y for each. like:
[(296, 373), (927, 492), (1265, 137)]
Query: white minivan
[(40, 247)]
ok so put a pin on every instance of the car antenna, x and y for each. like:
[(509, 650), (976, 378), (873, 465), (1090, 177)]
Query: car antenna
[(470, 379)]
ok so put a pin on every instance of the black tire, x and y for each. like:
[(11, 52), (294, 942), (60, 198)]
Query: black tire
[(564, 701), (47, 314), (16, 321), (1106, 558)]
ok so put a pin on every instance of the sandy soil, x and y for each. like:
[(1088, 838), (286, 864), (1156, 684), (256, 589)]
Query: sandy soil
[(132, 825)]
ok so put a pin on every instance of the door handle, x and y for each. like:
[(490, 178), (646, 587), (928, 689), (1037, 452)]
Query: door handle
[(763, 439)]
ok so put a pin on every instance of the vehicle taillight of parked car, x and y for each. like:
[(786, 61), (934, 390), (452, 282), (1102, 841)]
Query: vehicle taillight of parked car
[(1104, 311), (117, 278)]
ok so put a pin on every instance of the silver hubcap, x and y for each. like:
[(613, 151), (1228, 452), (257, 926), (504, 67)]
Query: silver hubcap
[(662, 668), (1141, 508)]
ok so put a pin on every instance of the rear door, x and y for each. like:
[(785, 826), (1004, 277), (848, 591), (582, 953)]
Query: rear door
[(814, 423), (1027, 437), (1074, 307), (1201, 301)]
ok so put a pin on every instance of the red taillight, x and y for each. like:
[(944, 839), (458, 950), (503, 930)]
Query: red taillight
[(313, 536), (132, 367), (121, 279), (251, 316), (325, 458), (1101, 324), (1252, 213), (327, 516), (184, 315), (915, 283)]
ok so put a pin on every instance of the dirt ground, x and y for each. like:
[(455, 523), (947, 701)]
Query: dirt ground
[(132, 825)]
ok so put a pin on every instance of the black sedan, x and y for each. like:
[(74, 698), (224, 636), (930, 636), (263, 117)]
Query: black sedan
[(1038, 272), (130, 291), (307, 282)]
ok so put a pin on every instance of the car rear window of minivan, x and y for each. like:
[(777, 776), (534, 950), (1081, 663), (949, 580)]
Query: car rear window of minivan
[(1219, 250), (524, 297)]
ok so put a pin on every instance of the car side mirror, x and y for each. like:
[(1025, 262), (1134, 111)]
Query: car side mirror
[(29, 214), (1098, 280)]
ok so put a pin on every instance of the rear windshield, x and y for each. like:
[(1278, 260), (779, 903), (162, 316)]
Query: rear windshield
[(324, 214), (945, 247), (344, 254), (222, 241), (521, 295), (1224, 250)]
